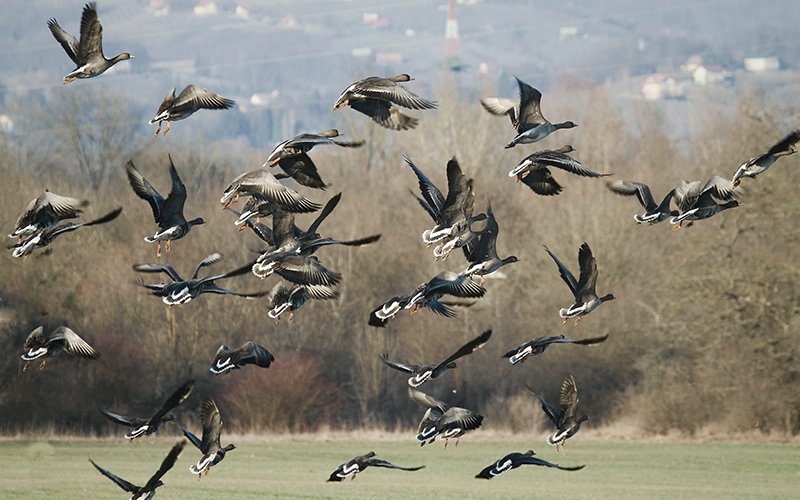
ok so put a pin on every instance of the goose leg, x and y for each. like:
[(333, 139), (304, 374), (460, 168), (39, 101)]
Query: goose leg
[(168, 242), (41, 367), (159, 128), (167, 129), (26, 366), (291, 317), (159, 248)]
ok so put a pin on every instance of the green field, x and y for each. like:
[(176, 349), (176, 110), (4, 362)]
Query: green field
[(298, 469)]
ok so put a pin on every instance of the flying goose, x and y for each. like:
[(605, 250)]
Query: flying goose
[(46, 210), (180, 291), (249, 353), (697, 203), (191, 99), (43, 237), (87, 53), (147, 491), (209, 446), (514, 460), (586, 299), (168, 213), (146, 426), (284, 299), (525, 114), (360, 463), (61, 339), (565, 420), (452, 215), (540, 344), (292, 156), (423, 373), (483, 257), (534, 170), (378, 98), (654, 213), (263, 184), (756, 165), (441, 420)]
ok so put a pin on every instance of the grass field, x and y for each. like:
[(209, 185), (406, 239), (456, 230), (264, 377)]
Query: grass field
[(299, 469)]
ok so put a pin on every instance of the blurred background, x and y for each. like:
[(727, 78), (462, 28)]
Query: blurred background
[(703, 334)]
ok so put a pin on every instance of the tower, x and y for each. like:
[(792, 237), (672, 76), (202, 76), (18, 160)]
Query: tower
[(451, 32)]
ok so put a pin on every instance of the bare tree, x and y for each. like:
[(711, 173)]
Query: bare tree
[(94, 128)]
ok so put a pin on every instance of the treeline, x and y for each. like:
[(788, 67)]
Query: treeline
[(703, 333)]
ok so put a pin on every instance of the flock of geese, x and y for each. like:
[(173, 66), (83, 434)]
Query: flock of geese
[(291, 250)]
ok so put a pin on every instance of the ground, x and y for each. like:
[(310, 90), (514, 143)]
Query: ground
[(297, 467)]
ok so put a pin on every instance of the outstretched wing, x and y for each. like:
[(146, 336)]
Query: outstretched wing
[(551, 412), (377, 462), (325, 212), (166, 465), (588, 279), (400, 366), (470, 347), (567, 276), (211, 259), (73, 344), (173, 205), (256, 355), (64, 228), (125, 485), (66, 40), (530, 113), (569, 398), (192, 438), (427, 401), (158, 268), (538, 461), (145, 190), (121, 419), (432, 195), (641, 191), (212, 426), (177, 397)]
